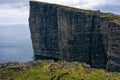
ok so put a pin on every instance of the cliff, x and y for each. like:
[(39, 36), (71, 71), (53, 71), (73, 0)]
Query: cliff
[(72, 34)]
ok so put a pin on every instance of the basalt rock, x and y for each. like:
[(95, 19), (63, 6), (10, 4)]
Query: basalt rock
[(72, 34)]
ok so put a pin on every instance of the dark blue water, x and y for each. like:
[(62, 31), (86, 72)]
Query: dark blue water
[(15, 43)]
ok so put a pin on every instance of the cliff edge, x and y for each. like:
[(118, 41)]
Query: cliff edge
[(72, 34)]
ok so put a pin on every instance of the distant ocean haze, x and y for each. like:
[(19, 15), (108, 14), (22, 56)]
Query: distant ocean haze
[(15, 43)]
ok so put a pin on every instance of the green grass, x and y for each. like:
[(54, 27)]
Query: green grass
[(113, 17), (58, 71)]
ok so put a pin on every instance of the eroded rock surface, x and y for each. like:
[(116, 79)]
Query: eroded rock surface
[(72, 34)]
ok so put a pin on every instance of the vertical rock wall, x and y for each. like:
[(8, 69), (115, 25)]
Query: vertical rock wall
[(73, 35), (113, 52), (82, 38), (44, 30)]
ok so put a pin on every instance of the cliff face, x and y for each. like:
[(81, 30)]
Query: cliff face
[(75, 35)]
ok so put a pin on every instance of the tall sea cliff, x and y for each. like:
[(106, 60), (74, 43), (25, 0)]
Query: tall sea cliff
[(72, 34)]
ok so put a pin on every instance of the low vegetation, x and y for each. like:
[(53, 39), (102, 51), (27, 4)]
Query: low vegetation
[(50, 70), (112, 17)]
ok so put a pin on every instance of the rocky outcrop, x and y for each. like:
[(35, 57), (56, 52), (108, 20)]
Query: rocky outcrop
[(72, 34), (50, 70), (32, 64)]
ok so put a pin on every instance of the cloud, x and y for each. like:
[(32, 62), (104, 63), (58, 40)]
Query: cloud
[(85, 4), (13, 8), (14, 11), (110, 9), (18, 10), (113, 2), (103, 5), (12, 1)]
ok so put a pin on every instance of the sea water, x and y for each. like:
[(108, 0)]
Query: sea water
[(15, 43)]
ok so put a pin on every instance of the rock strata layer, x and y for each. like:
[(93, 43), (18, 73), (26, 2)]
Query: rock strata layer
[(71, 34)]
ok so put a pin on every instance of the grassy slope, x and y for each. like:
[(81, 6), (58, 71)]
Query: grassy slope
[(48, 70)]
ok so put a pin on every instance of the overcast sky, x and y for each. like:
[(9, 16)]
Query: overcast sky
[(17, 11)]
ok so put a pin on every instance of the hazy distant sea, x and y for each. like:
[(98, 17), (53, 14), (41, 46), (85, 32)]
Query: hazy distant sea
[(15, 43)]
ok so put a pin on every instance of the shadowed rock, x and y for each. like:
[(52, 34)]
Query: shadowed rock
[(71, 34)]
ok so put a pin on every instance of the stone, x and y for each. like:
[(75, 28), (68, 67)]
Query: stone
[(72, 34)]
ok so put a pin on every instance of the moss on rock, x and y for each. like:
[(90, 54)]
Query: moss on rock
[(50, 70)]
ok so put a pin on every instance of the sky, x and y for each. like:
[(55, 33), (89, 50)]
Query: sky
[(17, 11)]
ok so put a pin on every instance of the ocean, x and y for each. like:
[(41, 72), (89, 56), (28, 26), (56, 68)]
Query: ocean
[(15, 43)]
